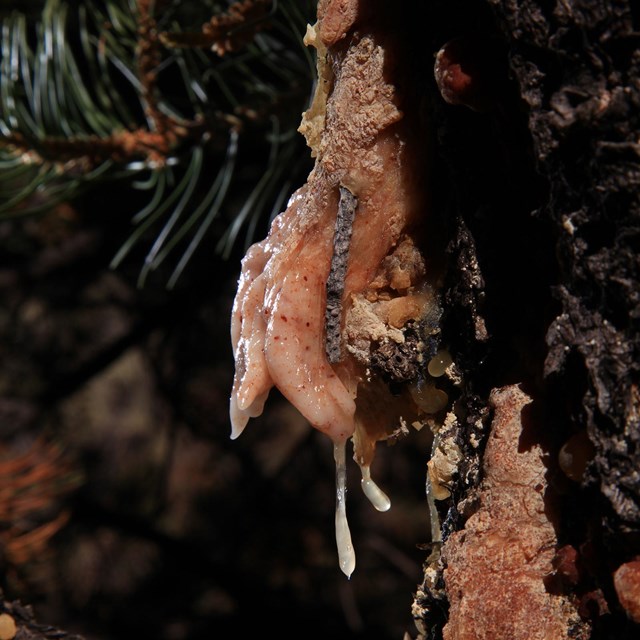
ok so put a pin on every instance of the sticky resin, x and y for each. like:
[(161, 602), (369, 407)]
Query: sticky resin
[(333, 307), (439, 364), (346, 554), (378, 498)]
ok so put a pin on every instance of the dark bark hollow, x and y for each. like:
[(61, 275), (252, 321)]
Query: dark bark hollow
[(536, 180)]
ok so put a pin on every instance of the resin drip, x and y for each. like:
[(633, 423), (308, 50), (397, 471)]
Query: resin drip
[(346, 554), (378, 498)]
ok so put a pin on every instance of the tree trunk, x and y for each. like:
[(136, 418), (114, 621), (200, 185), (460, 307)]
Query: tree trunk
[(541, 191)]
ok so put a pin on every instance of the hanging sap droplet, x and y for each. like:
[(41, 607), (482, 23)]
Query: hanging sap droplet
[(378, 498), (428, 398), (439, 363), (346, 554)]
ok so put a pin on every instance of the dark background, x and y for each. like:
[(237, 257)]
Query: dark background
[(133, 514)]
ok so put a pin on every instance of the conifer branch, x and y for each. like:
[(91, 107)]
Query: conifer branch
[(116, 90)]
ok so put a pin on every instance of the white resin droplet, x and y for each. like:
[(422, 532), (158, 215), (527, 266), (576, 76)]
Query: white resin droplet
[(377, 497), (346, 554)]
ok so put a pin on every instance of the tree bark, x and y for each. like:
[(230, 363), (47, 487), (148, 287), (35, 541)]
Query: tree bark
[(541, 191)]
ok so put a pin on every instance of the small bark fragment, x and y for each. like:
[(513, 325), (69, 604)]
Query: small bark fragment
[(335, 282), (627, 583)]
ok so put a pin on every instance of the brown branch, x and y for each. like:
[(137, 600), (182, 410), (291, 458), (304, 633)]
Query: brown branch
[(226, 32), (28, 546), (152, 145), (149, 56), (87, 152), (33, 488)]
